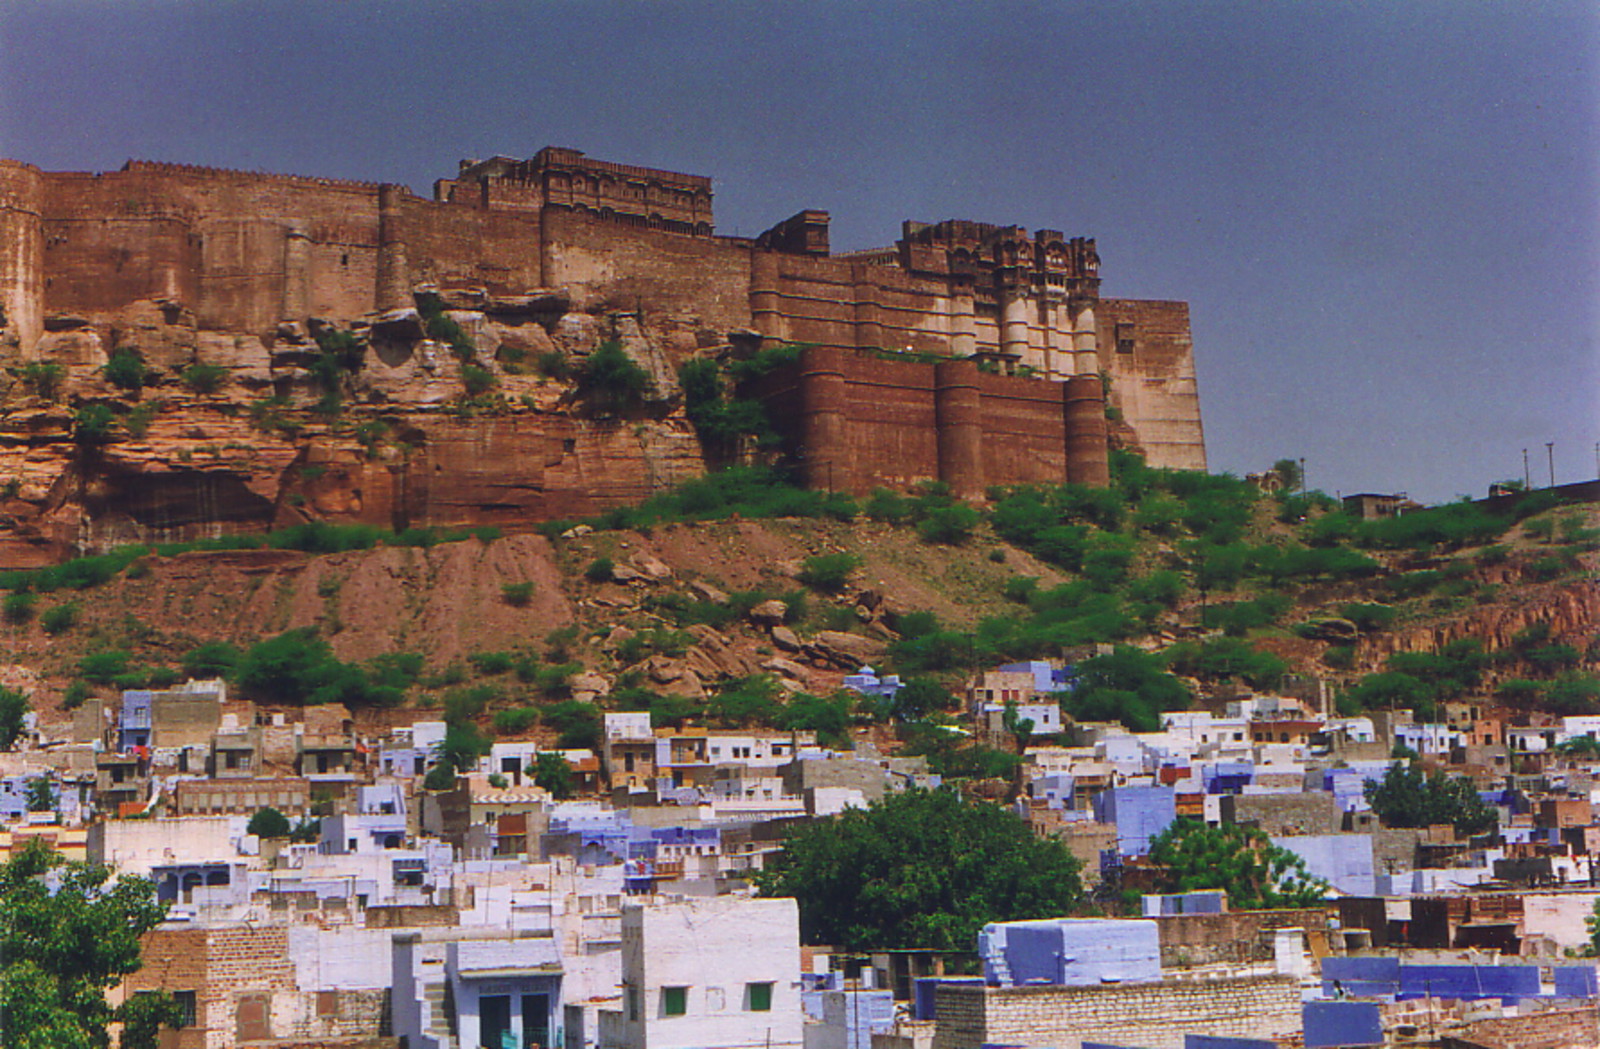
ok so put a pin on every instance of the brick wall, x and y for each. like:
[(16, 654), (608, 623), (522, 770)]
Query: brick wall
[(1155, 1015), (1558, 1029), (1237, 937)]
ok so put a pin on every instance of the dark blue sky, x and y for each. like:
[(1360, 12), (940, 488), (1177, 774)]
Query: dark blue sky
[(1385, 216)]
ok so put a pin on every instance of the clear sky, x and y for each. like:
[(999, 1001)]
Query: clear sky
[(1385, 216)]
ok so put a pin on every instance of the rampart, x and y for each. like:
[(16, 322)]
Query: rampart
[(94, 261), (858, 422)]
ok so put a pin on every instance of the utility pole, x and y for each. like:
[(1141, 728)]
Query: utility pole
[(1550, 452), (1303, 487), (1527, 482)]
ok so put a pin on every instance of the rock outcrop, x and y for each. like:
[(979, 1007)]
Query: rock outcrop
[(398, 421)]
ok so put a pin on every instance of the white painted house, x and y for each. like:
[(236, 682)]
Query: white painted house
[(711, 973)]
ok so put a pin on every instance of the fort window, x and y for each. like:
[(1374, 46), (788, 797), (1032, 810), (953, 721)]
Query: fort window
[(759, 996), (344, 260), (674, 1001), (1125, 338)]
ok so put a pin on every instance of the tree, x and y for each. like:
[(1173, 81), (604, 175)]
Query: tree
[(1405, 797), (1242, 861), (69, 932), (553, 772), (1128, 686), (924, 869), (41, 795), (268, 823), (13, 705)]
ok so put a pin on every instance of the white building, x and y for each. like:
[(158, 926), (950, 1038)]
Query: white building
[(715, 973)]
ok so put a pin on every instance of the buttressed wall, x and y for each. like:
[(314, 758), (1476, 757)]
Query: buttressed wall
[(237, 254)]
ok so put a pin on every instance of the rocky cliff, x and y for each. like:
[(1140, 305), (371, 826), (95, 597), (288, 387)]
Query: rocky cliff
[(461, 414)]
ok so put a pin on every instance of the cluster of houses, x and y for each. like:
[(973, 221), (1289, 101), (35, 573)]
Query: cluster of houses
[(493, 914)]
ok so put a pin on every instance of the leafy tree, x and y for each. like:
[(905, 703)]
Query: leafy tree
[(918, 697), (1127, 685), (143, 1015), (553, 772), (577, 724), (268, 823), (827, 716), (1406, 797), (923, 869), (68, 933), (1240, 860), (41, 795), (13, 705), (464, 744), (1288, 471), (211, 659)]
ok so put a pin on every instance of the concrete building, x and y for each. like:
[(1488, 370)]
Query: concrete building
[(718, 973)]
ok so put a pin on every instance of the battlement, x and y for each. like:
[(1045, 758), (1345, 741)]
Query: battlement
[(161, 167)]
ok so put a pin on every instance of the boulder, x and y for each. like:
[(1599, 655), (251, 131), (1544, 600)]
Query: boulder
[(706, 592), (589, 686), (769, 613), (787, 668), (846, 651), (786, 639), (653, 568)]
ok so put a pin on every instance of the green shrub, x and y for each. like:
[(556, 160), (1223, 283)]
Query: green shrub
[(59, 618), (204, 378), (137, 421), (18, 606), (949, 525), (829, 572), (125, 369), (491, 663), (476, 380), (75, 695), (1368, 616), (92, 424), (518, 595), (552, 364), (599, 570), (43, 377), (611, 378), (515, 721)]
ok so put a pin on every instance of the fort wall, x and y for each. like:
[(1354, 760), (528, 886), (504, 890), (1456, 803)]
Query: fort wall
[(858, 422), (186, 263)]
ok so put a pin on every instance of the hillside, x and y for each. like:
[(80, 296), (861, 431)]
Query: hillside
[(670, 614)]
